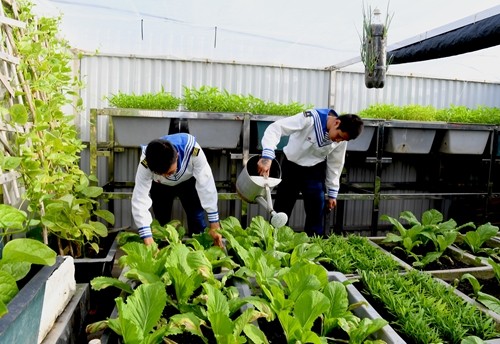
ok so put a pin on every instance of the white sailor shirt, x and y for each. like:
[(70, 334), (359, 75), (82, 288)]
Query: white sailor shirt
[(191, 162), (308, 144)]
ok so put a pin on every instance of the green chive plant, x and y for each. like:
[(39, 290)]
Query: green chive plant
[(414, 112), (206, 99), (158, 101), (348, 254), (425, 310)]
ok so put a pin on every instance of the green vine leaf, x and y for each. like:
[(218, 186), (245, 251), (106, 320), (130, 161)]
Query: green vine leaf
[(19, 114)]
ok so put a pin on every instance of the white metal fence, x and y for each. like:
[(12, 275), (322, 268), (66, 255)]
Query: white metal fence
[(345, 91)]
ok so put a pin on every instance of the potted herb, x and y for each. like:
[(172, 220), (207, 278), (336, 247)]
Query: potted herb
[(207, 130)]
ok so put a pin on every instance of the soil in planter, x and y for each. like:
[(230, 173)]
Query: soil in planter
[(273, 331), (490, 286), (495, 253), (445, 262)]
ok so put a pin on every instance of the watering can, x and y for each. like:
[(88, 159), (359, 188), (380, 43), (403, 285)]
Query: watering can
[(254, 188)]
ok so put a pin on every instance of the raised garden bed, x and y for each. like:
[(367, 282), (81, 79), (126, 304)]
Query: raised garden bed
[(424, 309), (454, 264)]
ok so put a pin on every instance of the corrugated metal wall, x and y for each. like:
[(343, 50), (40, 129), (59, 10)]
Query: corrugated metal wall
[(350, 94), (345, 91), (106, 75)]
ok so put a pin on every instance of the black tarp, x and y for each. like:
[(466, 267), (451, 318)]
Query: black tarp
[(482, 34)]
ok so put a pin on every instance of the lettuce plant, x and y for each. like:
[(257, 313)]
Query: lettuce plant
[(431, 233), (300, 302), (475, 239), (489, 301), (191, 297), (283, 243)]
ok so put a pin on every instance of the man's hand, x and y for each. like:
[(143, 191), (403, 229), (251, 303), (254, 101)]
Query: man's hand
[(332, 203), (263, 166), (214, 226), (148, 241)]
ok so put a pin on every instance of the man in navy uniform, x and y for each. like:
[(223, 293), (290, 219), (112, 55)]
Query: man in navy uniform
[(313, 161), (175, 166)]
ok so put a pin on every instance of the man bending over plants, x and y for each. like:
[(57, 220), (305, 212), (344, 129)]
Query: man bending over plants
[(313, 161), (175, 166)]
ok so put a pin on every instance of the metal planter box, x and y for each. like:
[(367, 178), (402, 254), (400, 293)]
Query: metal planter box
[(133, 128), (216, 134), (87, 269), (363, 141), (215, 130), (409, 137), (463, 141)]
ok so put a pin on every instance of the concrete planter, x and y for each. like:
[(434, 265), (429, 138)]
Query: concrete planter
[(69, 326), (36, 307), (476, 266), (387, 333)]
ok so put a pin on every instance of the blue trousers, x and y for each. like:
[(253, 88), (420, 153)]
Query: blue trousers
[(163, 198), (310, 181)]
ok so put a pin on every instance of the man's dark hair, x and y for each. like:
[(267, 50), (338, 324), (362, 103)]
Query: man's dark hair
[(160, 156), (351, 124)]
